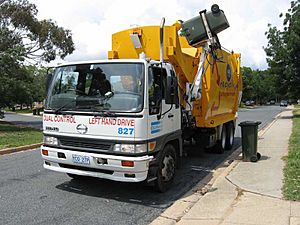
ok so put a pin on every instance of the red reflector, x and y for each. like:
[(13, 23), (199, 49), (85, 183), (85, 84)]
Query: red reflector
[(127, 163), (45, 152)]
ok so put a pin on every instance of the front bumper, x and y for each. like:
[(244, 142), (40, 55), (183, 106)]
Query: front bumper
[(112, 169)]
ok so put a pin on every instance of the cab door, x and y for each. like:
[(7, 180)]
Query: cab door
[(161, 115)]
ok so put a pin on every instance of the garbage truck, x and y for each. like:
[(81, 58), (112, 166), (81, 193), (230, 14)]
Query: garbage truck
[(126, 118)]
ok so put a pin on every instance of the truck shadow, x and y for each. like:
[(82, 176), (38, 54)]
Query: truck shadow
[(194, 168)]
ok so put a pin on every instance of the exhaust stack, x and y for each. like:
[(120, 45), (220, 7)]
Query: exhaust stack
[(162, 24)]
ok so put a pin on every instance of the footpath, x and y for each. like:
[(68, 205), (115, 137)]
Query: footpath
[(242, 193)]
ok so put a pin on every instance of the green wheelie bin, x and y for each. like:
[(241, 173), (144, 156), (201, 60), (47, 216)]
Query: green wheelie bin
[(249, 141)]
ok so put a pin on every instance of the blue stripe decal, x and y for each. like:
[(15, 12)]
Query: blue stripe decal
[(155, 127), (155, 123), (155, 131)]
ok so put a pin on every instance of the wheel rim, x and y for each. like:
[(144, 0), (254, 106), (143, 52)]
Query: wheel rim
[(231, 136), (223, 139), (168, 168)]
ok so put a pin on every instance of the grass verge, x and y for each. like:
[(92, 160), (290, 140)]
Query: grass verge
[(291, 188), (15, 136)]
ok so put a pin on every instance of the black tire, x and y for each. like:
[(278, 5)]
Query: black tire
[(258, 155), (220, 145), (166, 169), (253, 158), (229, 136), (75, 176)]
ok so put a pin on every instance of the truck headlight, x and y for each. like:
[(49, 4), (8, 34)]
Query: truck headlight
[(48, 140), (130, 148)]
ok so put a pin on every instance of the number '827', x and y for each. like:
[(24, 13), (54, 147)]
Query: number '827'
[(125, 131)]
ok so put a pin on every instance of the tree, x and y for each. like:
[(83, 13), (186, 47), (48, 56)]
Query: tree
[(37, 86), (283, 53), (38, 39), (25, 40), (248, 89), (258, 85), (25, 87)]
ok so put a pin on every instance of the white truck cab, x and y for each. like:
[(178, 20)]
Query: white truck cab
[(113, 119)]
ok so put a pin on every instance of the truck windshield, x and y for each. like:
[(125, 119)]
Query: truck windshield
[(114, 87)]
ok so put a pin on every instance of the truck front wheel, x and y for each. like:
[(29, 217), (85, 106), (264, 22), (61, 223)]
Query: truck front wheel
[(166, 169)]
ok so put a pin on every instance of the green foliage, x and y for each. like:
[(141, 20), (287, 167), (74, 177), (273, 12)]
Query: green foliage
[(25, 85), (283, 53), (258, 85), (291, 186), (42, 40), (24, 41)]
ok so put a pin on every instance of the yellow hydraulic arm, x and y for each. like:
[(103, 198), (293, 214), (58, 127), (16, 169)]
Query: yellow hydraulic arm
[(220, 90)]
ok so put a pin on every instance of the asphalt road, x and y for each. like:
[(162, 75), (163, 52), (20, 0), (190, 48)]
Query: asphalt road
[(31, 195), (24, 120)]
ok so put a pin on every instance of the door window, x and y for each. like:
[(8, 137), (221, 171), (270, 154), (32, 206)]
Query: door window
[(156, 83)]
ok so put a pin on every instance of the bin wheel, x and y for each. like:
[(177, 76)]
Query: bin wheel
[(229, 136), (258, 155), (166, 169), (221, 144), (253, 158)]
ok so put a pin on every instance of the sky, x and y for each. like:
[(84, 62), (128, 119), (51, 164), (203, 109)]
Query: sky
[(93, 22)]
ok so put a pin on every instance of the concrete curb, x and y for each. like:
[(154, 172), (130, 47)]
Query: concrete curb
[(19, 149), (182, 206)]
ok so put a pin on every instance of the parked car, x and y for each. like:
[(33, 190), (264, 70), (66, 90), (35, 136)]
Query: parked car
[(249, 103), (272, 102), (284, 103)]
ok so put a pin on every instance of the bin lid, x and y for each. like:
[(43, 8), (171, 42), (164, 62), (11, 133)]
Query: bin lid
[(249, 123)]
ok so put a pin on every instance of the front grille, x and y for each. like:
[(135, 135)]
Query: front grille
[(85, 144), (85, 168)]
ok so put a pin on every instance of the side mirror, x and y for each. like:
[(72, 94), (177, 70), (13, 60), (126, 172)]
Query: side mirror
[(48, 81), (171, 96)]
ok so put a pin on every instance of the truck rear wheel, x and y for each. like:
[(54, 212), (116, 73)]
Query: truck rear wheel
[(221, 144), (229, 136), (166, 169)]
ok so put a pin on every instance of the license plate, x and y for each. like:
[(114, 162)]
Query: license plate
[(79, 159)]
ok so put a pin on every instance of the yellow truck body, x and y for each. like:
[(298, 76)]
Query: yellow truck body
[(221, 83)]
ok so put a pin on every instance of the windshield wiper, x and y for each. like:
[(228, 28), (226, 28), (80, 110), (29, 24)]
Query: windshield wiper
[(59, 110), (98, 112), (80, 92), (101, 102), (104, 113)]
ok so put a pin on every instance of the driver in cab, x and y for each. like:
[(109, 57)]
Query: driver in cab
[(100, 85)]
